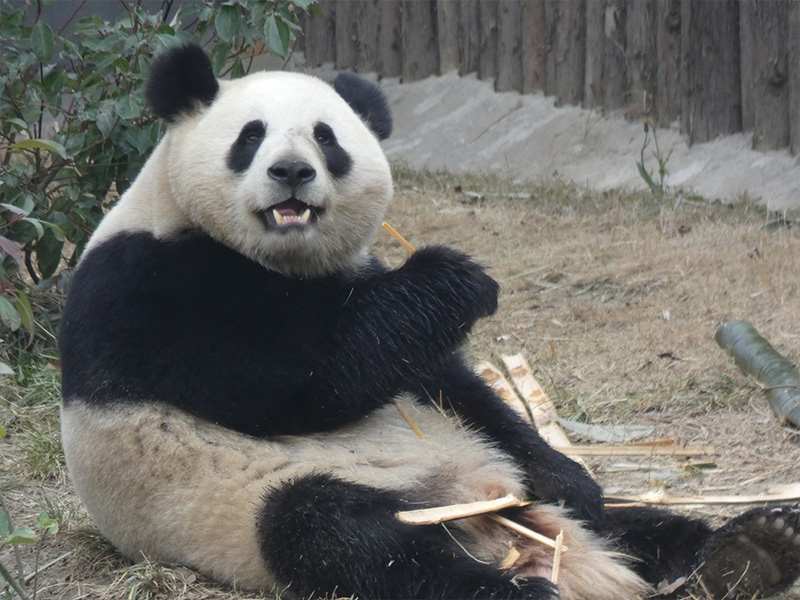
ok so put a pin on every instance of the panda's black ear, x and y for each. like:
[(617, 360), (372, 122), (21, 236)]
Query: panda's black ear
[(180, 80), (367, 100)]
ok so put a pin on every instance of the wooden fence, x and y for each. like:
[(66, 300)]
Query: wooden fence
[(716, 66)]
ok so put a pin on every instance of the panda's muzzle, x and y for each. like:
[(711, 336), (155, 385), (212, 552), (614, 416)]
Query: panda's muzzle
[(292, 174)]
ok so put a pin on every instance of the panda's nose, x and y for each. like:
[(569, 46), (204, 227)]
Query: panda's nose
[(292, 173)]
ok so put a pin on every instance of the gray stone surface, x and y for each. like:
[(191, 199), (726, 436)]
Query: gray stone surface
[(460, 124)]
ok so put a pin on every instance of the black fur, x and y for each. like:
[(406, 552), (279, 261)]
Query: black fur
[(149, 319), (244, 149), (338, 161), (367, 100), (180, 80), (351, 543)]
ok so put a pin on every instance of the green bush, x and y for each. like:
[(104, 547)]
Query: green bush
[(73, 127)]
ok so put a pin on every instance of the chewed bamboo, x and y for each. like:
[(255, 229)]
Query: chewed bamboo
[(755, 356)]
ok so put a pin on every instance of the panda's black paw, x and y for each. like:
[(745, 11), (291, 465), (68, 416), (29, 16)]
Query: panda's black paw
[(560, 480), (755, 555), (457, 281)]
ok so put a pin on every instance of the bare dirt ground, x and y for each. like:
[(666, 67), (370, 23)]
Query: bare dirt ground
[(613, 298)]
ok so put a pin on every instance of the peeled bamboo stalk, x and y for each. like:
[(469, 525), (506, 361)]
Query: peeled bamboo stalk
[(438, 514), (756, 357), (541, 408), (784, 493), (636, 450)]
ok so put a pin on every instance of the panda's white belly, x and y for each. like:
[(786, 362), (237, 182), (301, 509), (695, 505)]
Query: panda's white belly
[(176, 488)]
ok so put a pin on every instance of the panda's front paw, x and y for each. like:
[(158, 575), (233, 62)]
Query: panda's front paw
[(457, 281), (560, 480)]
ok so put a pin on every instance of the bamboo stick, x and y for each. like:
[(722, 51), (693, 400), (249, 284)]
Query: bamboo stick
[(635, 450), (497, 381), (541, 408), (438, 514), (557, 556), (399, 237), (784, 493), (525, 531)]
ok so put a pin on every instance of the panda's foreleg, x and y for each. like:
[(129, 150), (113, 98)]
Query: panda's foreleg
[(322, 535), (550, 475)]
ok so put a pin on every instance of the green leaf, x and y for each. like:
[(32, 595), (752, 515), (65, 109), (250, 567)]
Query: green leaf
[(45, 522), (277, 33), (5, 369), (127, 107), (9, 315), (49, 145), (227, 22), (37, 225), (25, 311), (21, 535), (42, 41), (3, 521)]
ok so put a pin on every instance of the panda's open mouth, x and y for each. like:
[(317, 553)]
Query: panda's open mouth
[(288, 213)]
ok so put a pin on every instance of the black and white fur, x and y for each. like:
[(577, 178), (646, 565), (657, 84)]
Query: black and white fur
[(232, 355)]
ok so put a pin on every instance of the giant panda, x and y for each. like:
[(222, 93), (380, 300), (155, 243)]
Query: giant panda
[(233, 355)]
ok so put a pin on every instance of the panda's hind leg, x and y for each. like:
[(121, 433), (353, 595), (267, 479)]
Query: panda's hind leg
[(755, 555), (322, 535)]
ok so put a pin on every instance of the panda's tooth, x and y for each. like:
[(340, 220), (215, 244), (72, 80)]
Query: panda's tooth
[(278, 216), (305, 215)]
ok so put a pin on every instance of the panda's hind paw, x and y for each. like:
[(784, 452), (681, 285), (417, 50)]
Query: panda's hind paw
[(755, 555)]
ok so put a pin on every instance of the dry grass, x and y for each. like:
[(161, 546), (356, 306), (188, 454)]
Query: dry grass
[(613, 298)]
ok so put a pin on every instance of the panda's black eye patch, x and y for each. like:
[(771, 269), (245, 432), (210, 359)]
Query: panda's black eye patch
[(324, 134), (244, 149), (338, 161)]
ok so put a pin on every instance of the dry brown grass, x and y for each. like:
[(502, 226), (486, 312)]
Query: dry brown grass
[(614, 298)]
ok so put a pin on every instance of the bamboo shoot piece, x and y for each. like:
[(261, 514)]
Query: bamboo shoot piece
[(756, 357)]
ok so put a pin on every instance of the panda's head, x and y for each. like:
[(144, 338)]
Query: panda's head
[(281, 167)]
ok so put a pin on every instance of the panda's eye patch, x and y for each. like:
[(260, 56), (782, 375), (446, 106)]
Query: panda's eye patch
[(324, 134), (244, 149), (252, 133)]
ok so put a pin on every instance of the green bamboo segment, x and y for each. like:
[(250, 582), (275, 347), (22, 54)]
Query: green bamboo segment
[(756, 357)]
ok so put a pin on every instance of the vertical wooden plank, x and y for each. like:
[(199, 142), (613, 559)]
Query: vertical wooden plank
[(534, 46), (669, 91), (389, 60), (748, 44), (794, 76), (566, 21), (470, 36), (420, 49), (487, 58), (346, 34), (615, 70), (509, 45), (641, 53), (770, 62), (595, 44), (448, 15), (320, 35), (367, 32), (712, 83)]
